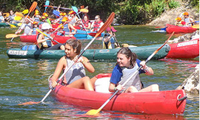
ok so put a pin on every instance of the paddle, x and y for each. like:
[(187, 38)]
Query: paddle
[(33, 6), (12, 35), (12, 26), (75, 9), (95, 112), (38, 9), (103, 28), (57, 7), (47, 35), (46, 3)]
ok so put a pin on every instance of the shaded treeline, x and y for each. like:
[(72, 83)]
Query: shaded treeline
[(127, 11)]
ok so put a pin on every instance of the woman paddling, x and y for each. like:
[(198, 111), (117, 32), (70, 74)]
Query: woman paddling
[(127, 64), (45, 42), (75, 77)]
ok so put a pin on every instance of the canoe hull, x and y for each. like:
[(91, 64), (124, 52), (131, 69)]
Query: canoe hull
[(177, 29), (185, 50), (142, 52), (163, 102), (7, 25), (33, 38)]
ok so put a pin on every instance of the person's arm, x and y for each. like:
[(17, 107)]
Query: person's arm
[(41, 39), (148, 70), (87, 64), (70, 27), (60, 66), (115, 78), (89, 26)]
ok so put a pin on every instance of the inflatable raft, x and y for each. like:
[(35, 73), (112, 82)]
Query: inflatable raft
[(178, 29), (185, 50), (162, 102), (143, 52)]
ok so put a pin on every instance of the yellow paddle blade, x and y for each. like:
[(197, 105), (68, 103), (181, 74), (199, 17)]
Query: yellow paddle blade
[(17, 18), (19, 14), (12, 26), (11, 35), (19, 24), (93, 112), (195, 26), (29, 103), (84, 10), (25, 11), (6, 14)]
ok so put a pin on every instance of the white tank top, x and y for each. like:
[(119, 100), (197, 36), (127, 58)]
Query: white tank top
[(76, 72), (134, 81)]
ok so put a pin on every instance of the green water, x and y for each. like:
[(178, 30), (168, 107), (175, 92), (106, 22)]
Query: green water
[(24, 80)]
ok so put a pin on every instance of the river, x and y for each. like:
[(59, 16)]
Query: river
[(24, 80)]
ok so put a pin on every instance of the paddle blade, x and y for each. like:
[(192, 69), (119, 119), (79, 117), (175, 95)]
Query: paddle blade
[(93, 112), (11, 35), (38, 9), (84, 10), (29, 103), (12, 26), (195, 26), (75, 9), (33, 6), (47, 4)]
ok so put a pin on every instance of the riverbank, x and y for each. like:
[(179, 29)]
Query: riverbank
[(169, 16)]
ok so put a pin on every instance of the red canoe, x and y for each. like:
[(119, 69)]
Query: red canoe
[(33, 38), (185, 50), (162, 102), (179, 29)]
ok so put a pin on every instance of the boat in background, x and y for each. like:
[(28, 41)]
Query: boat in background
[(8, 25), (33, 38), (161, 102), (184, 50), (31, 51), (179, 29)]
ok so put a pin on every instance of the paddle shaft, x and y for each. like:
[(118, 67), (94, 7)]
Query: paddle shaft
[(76, 10), (47, 35), (57, 7)]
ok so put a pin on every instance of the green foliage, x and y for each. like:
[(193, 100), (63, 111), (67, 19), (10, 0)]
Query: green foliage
[(173, 4), (158, 7), (195, 3), (127, 11)]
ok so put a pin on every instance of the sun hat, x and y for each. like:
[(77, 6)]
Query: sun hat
[(45, 14), (185, 13), (35, 22), (72, 12), (64, 19), (46, 26), (178, 18)]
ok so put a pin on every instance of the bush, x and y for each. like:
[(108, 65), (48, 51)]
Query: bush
[(173, 4)]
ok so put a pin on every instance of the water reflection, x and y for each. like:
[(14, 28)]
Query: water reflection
[(69, 111)]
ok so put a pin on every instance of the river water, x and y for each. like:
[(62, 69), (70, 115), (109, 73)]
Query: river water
[(24, 80)]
